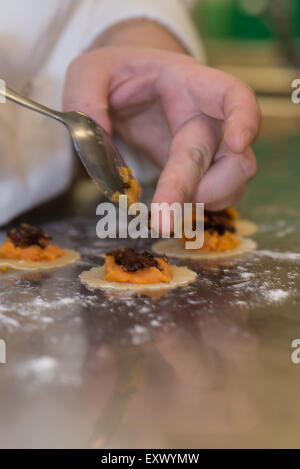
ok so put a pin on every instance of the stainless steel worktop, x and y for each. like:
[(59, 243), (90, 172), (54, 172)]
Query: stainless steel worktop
[(207, 365)]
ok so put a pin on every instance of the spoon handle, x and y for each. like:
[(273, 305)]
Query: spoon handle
[(28, 103)]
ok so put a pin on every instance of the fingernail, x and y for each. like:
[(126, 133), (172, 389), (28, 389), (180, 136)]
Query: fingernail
[(197, 156), (246, 138)]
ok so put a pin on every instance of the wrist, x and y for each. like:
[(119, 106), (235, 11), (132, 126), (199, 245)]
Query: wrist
[(139, 33)]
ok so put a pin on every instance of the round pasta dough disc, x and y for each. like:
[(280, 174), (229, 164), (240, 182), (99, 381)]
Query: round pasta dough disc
[(181, 276), (68, 257), (174, 247), (245, 227)]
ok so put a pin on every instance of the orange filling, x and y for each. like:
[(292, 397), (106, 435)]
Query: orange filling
[(32, 253), (233, 213), (213, 241), (116, 273), (216, 242), (132, 190)]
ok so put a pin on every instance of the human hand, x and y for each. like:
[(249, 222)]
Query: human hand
[(196, 122)]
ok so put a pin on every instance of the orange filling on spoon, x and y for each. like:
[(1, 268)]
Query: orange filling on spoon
[(29, 243), (131, 186), (126, 266)]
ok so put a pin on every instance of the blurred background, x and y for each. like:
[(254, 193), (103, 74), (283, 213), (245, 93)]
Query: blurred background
[(257, 41)]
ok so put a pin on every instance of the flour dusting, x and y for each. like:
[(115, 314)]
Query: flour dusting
[(8, 322), (40, 303), (284, 256), (42, 368), (140, 334), (277, 295)]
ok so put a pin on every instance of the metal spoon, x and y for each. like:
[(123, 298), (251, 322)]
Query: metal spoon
[(92, 143)]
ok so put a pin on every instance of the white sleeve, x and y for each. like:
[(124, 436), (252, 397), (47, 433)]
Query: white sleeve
[(35, 153), (172, 14)]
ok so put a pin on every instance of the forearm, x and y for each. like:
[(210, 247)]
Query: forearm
[(139, 33)]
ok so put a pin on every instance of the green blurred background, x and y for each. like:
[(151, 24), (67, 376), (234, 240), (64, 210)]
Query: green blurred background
[(257, 41), (243, 19)]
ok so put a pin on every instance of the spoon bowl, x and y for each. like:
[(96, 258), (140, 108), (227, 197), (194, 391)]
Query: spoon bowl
[(97, 152)]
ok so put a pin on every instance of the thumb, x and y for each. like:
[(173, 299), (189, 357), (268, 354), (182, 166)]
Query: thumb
[(86, 88)]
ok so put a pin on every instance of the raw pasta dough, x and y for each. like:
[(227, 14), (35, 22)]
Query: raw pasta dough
[(245, 227), (68, 257), (181, 276), (174, 247)]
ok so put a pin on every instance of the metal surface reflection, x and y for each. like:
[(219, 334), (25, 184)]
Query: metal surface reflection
[(207, 365)]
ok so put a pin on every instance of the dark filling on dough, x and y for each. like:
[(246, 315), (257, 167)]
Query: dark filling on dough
[(219, 222), (27, 235), (132, 261), (225, 213)]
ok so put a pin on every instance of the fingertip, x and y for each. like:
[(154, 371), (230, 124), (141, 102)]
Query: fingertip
[(238, 140), (162, 201)]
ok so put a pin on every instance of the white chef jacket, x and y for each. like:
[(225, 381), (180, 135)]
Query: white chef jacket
[(38, 39)]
